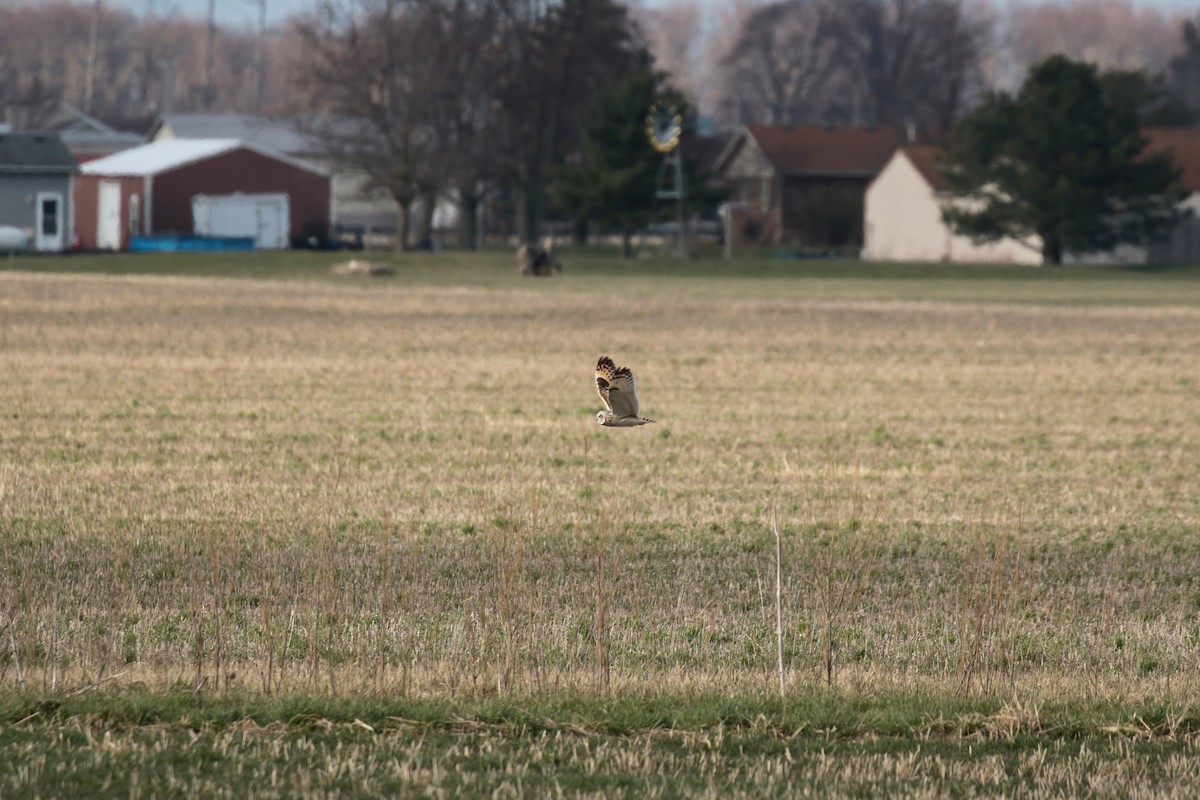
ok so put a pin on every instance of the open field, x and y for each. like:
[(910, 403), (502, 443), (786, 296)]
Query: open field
[(244, 510), (596, 270)]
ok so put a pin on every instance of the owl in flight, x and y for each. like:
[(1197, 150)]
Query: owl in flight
[(615, 385)]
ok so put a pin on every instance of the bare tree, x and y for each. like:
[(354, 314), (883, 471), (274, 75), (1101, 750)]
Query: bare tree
[(552, 59), (135, 68), (1117, 34), (460, 110), (428, 96), (955, 43), (675, 36), (784, 67), (911, 61), (46, 54), (367, 79), (869, 62)]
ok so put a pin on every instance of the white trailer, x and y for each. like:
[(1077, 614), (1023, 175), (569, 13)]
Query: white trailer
[(262, 217)]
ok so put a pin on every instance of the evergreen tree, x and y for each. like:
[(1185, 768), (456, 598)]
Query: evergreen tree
[(1062, 160), (613, 183), (1151, 95), (553, 58)]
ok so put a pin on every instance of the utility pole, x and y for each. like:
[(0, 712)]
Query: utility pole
[(209, 92), (260, 55), (93, 43), (167, 65)]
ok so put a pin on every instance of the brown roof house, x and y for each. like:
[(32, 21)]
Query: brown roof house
[(213, 187), (804, 185), (36, 171), (903, 214)]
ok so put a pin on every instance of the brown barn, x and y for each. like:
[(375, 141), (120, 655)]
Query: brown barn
[(149, 190), (804, 185)]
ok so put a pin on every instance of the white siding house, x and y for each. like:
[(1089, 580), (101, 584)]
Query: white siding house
[(1183, 245), (903, 222), (903, 218)]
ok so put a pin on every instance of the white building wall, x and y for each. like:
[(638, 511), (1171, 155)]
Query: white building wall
[(903, 222), (1183, 245), (1122, 254), (356, 201)]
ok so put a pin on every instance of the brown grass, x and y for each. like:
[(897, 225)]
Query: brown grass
[(372, 488)]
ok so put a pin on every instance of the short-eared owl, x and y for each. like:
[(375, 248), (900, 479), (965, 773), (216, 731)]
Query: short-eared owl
[(615, 385)]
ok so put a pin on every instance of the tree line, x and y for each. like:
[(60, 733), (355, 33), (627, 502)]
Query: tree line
[(537, 104), (431, 97), (125, 69), (543, 101), (864, 62), (740, 60)]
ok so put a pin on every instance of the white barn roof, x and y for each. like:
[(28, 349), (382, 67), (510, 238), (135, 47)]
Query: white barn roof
[(156, 157), (168, 154)]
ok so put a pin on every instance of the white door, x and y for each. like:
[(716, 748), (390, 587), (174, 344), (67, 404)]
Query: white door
[(108, 225), (272, 224), (50, 225), (232, 217), (261, 217)]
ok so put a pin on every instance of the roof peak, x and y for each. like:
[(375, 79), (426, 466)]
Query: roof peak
[(156, 157), (850, 150)]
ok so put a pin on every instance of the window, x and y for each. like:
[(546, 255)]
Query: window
[(49, 216)]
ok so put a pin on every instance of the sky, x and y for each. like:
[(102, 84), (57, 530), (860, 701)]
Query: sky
[(243, 14)]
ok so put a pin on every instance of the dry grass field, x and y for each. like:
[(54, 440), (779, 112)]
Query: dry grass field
[(987, 493)]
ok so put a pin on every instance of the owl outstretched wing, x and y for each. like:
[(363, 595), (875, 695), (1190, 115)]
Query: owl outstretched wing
[(605, 370), (616, 388)]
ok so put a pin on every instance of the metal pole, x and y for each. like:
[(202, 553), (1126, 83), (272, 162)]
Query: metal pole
[(682, 201), (727, 222), (93, 41), (260, 55), (208, 54), (779, 607), (727, 209)]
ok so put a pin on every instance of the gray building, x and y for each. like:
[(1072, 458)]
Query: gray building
[(36, 170)]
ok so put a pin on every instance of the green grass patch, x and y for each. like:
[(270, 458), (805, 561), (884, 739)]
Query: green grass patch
[(132, 742), (596, 268)]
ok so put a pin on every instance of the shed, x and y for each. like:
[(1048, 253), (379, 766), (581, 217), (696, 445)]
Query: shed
[(903, 214), (358, 203), (149, 190), (36, 171)]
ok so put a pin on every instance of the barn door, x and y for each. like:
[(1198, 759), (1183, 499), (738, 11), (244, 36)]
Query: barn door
[(108, 225), (272, 223)]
